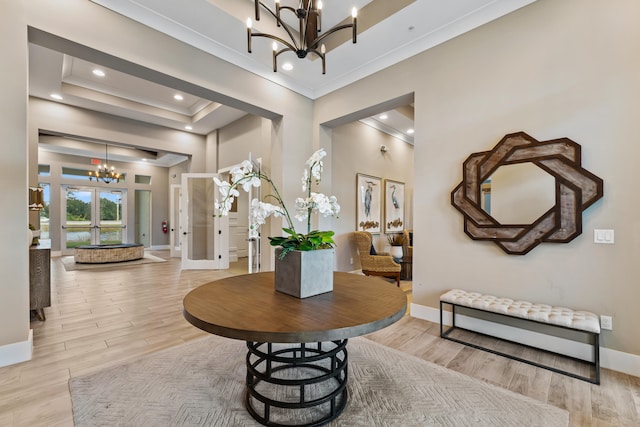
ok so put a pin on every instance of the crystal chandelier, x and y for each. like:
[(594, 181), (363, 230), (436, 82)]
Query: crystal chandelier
[(309, 14), (103, 172)]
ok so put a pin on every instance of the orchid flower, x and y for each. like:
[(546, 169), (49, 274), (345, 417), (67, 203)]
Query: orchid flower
[(246, 177)]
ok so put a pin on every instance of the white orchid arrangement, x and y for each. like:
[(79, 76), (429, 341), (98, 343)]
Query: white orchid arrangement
[(245, 176)]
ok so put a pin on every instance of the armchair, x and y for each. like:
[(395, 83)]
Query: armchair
[(375, 265)]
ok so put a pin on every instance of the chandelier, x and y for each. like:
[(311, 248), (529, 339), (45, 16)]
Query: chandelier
[(103, 172), (309, 14)]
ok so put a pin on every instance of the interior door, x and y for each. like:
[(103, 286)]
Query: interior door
[(205, 236), (175, 247), (143, 217)]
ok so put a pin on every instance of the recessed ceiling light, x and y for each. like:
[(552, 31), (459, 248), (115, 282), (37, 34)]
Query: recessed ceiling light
[(287, 66), (410, 131), (187, 127), (98, 72), (383, 117), (178, 97), (56, 96)]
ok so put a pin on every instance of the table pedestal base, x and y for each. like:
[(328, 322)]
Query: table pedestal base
[(296, 384)]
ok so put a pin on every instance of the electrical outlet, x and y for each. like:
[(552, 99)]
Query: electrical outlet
[(351, 261), (606, 322)]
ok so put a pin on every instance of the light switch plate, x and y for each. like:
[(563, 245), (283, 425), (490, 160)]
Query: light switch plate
[(603, 236)]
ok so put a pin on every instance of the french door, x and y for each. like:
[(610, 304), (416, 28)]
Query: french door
[(92, 216), (204, 235)]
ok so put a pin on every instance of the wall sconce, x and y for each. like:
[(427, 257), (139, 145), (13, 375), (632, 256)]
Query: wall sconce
[(383, 149), (36, 199)]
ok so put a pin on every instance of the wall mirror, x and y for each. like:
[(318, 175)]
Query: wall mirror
[(518, 194), (574, 190)]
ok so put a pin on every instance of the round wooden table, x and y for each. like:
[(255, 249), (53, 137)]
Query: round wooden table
[(248, 308)]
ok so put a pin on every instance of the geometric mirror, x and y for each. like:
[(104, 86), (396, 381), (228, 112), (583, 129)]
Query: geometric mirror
[(575, 190)]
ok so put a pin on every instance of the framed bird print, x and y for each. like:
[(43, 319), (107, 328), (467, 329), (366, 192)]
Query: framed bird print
[(368, 203), (393, 206)]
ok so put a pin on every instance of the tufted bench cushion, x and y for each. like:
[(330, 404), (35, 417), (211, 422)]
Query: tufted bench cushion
[(543, 313)]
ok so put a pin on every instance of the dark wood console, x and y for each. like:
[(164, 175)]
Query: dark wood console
[(39, 280)]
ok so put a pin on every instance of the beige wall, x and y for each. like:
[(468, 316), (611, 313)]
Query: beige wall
[(14, 255), (356, 149), (238, 139), (545, 71)]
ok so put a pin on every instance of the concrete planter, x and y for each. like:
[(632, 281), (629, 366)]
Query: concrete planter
[(304, 274)]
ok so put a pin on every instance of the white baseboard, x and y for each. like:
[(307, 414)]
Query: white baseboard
[(159, 248), (610, 359), (11, 354)]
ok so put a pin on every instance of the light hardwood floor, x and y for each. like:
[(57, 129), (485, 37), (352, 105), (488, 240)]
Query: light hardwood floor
[(105, 317)]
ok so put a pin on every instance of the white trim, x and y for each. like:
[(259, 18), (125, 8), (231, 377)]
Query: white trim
[(611, 359), (11, 354), (158, 248)]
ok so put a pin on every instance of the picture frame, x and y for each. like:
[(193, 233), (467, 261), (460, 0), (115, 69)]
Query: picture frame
[(393, 206), (368, 203)]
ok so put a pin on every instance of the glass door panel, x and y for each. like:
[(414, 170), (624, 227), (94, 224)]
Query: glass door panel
[(111, 224), (205, 236), (78, 226)]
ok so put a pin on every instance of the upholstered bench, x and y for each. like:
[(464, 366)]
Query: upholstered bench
[(584, 322), (100, 254)]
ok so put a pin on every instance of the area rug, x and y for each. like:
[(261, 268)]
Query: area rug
[(201, 383), (70, 264)]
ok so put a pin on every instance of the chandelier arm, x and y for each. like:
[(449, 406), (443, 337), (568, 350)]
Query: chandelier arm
[(275, 56), (333, 30), (276, 38), (281, 23), (284, 7), (321, 56), (258, 3)]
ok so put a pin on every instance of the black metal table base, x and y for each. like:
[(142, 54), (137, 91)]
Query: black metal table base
[(595, 342), (296, 384)]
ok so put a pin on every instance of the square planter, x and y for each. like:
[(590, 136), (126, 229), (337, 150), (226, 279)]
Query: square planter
[(304, 274)]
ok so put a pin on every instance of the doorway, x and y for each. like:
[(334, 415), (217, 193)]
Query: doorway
[(92, 216), (143, 217), (174, 221)]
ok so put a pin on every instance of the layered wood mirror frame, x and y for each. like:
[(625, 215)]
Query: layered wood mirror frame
[(575, 190)]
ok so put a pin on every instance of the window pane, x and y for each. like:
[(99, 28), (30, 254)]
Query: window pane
[(143, 179)]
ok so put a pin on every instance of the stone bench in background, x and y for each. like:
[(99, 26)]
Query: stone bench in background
[(102, 254)]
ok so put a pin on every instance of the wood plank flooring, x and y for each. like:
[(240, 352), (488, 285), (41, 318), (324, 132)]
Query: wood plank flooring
[(105, 317)]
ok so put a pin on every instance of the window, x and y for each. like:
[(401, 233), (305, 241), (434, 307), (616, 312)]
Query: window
[(44, 170), (143, 179)]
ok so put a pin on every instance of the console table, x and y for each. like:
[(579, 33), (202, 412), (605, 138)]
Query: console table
[(406, 265), (287, 335)]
